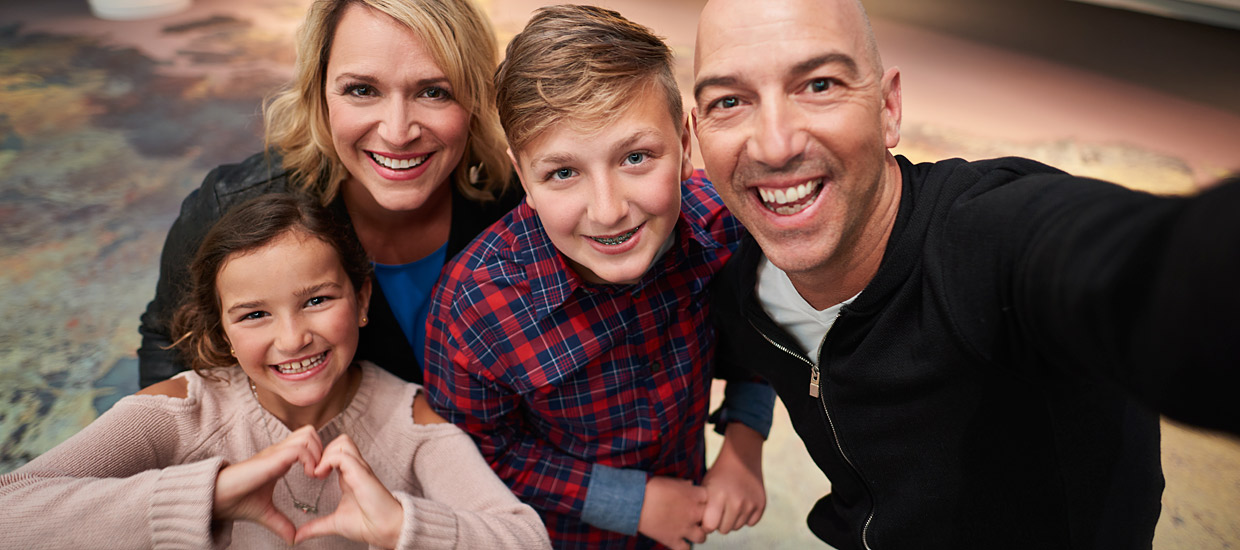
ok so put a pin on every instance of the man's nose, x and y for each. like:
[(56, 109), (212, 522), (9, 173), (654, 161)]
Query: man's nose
[(779, 136)]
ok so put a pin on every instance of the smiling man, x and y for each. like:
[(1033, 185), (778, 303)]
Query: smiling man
[(971, 351)]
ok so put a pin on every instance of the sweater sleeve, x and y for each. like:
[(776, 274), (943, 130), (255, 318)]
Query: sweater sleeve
[(463, 503), (116, 481)]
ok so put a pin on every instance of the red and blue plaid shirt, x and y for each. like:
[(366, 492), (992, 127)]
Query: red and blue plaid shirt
[(552, 375)]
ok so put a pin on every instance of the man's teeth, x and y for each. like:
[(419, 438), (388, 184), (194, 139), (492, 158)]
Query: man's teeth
[(788, 201), (398, 164), (298, 367), (618, 239)]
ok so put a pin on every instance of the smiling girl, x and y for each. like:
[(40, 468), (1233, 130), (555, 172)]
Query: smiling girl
[(277, 425)]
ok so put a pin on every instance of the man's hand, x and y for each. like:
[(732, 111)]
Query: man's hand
[(736, 496), (672, 512)]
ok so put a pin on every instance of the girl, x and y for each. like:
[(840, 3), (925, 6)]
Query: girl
[(277, 424)]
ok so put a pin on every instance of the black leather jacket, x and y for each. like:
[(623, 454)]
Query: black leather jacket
[(381, 340), (989, 387)]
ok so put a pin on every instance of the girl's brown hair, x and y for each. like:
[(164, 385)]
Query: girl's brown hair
[(246, 228)]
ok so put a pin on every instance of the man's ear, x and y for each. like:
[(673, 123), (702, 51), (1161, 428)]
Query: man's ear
[(893, 108), (516, 167), (686, 148)]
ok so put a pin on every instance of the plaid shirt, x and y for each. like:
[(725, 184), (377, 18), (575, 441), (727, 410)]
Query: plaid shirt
[(552, 375)]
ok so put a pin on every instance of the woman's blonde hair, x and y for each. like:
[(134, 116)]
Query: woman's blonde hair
[(461, 41)]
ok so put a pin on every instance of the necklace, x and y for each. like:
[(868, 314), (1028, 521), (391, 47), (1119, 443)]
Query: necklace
[(305, 508)]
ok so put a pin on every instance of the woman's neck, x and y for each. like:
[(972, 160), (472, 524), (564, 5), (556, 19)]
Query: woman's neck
[(400, 237)]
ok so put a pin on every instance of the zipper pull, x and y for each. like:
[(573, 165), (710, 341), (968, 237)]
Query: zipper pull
[(813, 382)]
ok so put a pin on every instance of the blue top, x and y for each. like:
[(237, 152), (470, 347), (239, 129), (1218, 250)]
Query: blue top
[(408, 289)]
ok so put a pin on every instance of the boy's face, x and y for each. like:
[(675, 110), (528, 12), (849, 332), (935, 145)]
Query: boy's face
[(609, 199)]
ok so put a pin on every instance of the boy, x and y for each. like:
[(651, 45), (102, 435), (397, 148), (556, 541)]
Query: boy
[(571, 338)]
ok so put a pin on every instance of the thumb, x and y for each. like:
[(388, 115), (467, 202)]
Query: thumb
[(278, 523), (317, 527), (712, 516)]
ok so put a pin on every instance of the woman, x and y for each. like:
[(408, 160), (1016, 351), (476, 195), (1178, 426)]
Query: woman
[(390, 121)]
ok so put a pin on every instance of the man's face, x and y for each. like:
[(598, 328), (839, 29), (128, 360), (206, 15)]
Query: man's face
[(794, 120)]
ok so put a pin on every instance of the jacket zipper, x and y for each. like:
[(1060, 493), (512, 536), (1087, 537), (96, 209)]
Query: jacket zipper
[(815, 392)]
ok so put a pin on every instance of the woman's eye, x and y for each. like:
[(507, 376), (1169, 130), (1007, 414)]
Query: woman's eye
[(635, 158), (360, 90), (436, 92)]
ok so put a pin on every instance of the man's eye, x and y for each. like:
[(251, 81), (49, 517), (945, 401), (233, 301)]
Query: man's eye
[(727, 102), (820, 85), (635, 158)]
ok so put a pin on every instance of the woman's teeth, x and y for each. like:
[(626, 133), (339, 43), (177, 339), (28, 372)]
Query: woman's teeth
[(298, 367), (618, 239), (398, 164), (791, 200)]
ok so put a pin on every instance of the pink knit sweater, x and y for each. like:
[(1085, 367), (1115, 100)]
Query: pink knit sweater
[(143, 475)]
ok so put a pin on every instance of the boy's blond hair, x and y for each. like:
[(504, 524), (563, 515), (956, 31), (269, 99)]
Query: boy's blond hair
[(582, 65)]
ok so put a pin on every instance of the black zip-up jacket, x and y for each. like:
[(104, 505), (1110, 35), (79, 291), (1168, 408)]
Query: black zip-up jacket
[(381, 341), (989, 387)]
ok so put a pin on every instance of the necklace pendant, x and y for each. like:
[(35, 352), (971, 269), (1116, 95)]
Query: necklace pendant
[(305, 508)]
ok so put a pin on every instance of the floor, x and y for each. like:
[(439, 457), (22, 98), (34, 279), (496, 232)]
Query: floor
[(105, 126)]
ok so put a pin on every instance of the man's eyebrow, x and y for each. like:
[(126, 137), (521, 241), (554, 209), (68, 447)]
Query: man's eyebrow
[(850, 64), (712, 81)]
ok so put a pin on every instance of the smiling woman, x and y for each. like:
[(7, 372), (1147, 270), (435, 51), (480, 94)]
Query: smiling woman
[(390, 122)]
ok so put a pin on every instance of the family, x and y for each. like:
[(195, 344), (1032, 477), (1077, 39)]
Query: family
[(466, 302)]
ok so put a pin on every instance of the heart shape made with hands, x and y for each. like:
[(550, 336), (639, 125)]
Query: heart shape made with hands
[(367, 511)]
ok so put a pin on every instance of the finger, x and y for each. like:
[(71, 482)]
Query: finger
[(697, 535), (279, 524), (680, 544), (318, 527), (755, 516), (728, 522), (713, 515)]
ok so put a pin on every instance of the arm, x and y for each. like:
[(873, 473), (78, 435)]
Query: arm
[(463, 504), (116, 481)]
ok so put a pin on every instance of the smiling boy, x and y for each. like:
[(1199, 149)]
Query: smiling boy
[(571, 338)]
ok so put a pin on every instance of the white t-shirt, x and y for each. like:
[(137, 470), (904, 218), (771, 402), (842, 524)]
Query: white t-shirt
[(781, 301)]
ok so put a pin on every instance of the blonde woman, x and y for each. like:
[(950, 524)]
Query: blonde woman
[(390, 122)]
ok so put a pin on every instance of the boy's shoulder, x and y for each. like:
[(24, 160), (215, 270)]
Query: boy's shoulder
[(705, 212)]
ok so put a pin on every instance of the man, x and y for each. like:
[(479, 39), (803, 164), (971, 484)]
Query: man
[(968, 350)]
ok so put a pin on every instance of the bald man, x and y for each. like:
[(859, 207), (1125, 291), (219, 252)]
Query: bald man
[(972, 351)]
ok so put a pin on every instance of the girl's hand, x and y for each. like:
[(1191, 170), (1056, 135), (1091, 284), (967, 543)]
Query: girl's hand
[(367, 511), (243, 490)]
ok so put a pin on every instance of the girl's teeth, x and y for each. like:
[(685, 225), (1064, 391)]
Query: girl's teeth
[(401, 164), (301, 366)]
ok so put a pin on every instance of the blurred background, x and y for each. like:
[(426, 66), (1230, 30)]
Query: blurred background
[(105, 125)]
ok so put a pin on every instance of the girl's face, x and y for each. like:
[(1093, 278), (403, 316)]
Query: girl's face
[(396, 122), (292, 317)]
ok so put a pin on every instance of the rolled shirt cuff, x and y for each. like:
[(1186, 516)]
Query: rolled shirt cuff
[(614, 499), (750, 403)]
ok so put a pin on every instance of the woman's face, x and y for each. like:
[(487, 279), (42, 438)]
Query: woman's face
[(395, 120)]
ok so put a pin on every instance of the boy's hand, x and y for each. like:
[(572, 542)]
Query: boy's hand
[(672, 512), (736, 496)]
